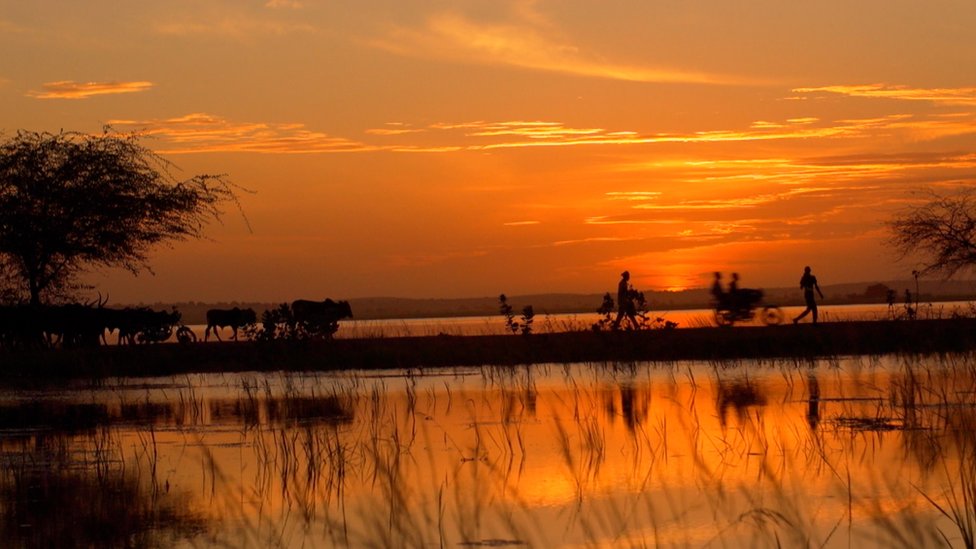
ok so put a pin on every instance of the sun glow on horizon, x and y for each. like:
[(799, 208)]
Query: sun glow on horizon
[(428, 151)]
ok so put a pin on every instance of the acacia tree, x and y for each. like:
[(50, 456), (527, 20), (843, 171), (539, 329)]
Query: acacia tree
[(943, 231), (70, 201)]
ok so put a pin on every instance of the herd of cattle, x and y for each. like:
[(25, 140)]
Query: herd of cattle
[(86, 325)]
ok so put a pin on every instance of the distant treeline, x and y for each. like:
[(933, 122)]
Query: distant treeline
[(370, 308)]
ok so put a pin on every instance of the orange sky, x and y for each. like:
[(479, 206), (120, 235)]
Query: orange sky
[(452, 149)]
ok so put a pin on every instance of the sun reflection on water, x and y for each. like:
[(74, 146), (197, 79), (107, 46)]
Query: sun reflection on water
[(823, 453)]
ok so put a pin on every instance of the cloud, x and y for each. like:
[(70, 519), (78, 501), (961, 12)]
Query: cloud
[(592, 240), (393, 128), (943, 96), (200, 132), (67, 89), (754, 200), (238, 27), (521, 223), (807, 172), (557, 135), (723, 189), (521, 44), (274, 4), (769, 199), (633, 195), (553, 134)]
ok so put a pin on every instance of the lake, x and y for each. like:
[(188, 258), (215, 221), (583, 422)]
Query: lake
[(855, 450)]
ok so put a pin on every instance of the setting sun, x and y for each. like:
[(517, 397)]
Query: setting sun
[(491, 273), (429, 150)]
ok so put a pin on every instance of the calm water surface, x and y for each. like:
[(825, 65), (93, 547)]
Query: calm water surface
[(836, 453)]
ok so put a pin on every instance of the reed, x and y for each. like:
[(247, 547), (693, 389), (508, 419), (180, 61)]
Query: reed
[(631, 454)]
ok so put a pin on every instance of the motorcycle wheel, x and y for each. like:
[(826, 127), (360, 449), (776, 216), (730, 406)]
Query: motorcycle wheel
[(724, 318), (772, 315), (185, 335)]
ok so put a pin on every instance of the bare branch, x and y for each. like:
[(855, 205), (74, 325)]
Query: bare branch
[(941, 231)]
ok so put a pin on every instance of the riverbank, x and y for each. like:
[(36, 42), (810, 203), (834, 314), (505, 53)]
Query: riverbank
[(802, 342)]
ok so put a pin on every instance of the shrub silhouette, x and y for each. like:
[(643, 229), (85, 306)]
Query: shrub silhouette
[(528, 316)]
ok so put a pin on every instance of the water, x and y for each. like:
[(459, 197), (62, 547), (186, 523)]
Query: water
[(834, 453)]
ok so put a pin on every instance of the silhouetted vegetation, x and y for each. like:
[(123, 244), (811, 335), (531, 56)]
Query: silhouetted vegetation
[(70, 201), (300, 320), (524, 326), (644, 321), (943, 230), (606, 314)]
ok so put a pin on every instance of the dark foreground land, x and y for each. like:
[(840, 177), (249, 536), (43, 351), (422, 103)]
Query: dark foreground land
[(788, 342)]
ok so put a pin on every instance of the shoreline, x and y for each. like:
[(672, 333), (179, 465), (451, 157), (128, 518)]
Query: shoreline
[(802, 342)]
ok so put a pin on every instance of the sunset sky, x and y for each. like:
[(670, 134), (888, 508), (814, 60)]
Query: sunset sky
[(470, 148)]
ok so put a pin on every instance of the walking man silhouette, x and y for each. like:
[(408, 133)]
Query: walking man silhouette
[(808, 283), (625, 302)]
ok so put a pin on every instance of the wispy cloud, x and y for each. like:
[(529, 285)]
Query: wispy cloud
[(876, 169), (523, 44), (945, 96), (553, 134), (293, 4), (393, 128), (593, 240), (634, 196), (626, 220), (67, 89), (239, 27), (560, 136), (770, 199), (751, 201), (521, 223), (199, 132)]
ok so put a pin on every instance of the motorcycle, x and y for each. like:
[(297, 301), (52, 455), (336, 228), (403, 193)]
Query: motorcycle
[(743, 306)]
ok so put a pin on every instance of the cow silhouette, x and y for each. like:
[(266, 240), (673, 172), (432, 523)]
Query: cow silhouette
[(228, 318), (320, 318)]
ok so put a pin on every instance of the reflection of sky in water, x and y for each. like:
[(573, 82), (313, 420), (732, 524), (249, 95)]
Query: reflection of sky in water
[(576, 455)]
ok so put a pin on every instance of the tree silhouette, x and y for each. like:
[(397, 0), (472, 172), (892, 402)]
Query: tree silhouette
[(943, 230), (70, 201)]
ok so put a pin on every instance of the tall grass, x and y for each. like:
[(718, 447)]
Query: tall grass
[(801, 453)]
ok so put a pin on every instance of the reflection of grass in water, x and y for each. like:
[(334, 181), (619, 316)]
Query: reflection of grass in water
[(50, 499), (66, 417), (395, 449)]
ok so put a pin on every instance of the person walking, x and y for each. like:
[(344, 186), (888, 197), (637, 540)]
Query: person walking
[(625, 302), (808, 283)]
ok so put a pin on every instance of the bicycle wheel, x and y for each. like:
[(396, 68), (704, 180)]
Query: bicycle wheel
[(724, 317), (772, 315)]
